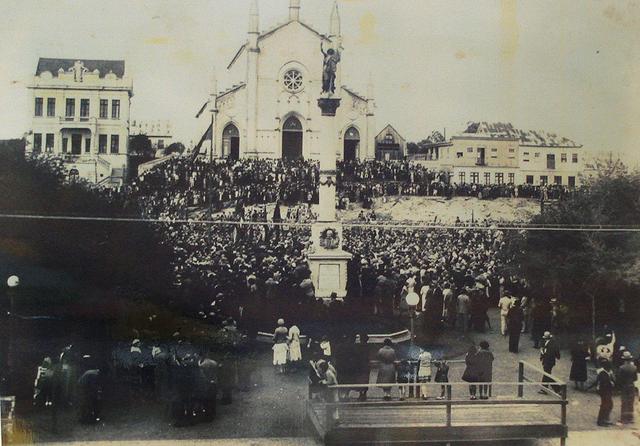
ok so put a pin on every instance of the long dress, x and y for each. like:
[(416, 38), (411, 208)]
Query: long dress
[(578, 371), (280, 349), (387, 369), (295, 353)]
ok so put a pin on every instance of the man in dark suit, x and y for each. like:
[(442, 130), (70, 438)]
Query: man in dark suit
[(549, 354), (515, 318)]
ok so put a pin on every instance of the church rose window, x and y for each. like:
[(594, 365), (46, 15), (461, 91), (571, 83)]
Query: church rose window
[(293, 80)]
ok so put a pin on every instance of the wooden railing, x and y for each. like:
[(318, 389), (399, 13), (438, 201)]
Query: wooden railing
[(529, 378)]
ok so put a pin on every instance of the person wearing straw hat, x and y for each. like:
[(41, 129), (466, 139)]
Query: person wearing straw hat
[(627, 376), (549, 354)]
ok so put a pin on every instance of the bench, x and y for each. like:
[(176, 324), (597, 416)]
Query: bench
[(515, 411)]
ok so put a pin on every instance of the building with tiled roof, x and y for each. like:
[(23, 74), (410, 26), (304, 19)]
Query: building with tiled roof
[(499, 153), (80, 111), (272, 111)]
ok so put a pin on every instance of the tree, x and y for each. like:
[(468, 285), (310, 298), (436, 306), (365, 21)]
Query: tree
[(124, 257), (140, 146), (589, 270), (176, 147)]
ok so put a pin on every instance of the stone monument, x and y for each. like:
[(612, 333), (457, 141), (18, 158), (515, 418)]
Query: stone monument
[(328, 261)]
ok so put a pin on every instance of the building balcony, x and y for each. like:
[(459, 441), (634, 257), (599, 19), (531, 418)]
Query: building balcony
[(77, 121)]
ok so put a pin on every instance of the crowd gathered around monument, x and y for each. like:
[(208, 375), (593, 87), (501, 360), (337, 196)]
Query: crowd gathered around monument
[(241, 280)]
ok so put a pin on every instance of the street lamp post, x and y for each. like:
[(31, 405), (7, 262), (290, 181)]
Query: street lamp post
[(412, 301), (7, 372)]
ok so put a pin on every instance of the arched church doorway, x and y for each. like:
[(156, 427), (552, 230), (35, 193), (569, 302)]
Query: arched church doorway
[(231, 142), (292, 139), (351, 144)]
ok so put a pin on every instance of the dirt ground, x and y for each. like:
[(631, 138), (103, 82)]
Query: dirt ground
[(274, 408)]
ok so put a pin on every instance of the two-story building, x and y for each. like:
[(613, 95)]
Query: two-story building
[(390, 145), (80, 112), (498, 153)]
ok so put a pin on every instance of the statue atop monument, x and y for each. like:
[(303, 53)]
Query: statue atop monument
[(330, 66)]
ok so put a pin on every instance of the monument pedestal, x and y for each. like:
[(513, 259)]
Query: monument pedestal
[(328, 263), (329, 272)]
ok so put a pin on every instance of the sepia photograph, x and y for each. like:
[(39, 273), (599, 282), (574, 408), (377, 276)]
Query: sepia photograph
[(320, 222)]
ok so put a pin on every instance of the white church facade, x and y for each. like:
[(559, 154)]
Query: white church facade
[(272, 111)]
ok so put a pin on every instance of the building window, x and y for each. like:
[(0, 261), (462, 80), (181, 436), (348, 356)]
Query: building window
[(551, 161), (161, 144), (65, 143), (525, 153), (574, 158), (84, 108), (512, 150), (544, 180), (102, 144), (469, 149), (499, 178), (525, 161), (293, 81), (462, 177), (529, 179), (115, 109), (70, 111), (557, 180), (512, 178), (115, 143), (572, 181), (494, 149), (87, 145), (104, 109), (459, 154), (563, 158), (37, 142), (38, 107), (487, 178), (48, 142), (51, 107), (475, 178), (537, 154)]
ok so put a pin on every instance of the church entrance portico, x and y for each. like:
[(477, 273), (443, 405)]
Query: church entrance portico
[(292, 136), (351, 144)]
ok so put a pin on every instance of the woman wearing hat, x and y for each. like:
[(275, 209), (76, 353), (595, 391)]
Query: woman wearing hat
[(387, 368), (579, 358), (280, 347)]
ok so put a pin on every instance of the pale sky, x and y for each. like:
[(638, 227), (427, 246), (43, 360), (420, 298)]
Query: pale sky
[(565, 66)]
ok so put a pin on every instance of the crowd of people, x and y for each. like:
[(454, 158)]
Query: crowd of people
[(241, 278), (185, 377), (180, 185)]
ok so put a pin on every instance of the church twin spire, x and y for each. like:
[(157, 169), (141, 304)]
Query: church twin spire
[(294, 16)]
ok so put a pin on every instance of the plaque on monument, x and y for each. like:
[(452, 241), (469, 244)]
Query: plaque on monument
[(329, 276)]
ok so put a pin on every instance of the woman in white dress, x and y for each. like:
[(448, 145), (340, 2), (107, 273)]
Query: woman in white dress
[(424, 373), (295, 353), (280, 347)]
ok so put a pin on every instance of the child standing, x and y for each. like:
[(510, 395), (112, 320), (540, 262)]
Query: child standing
[(442, 376), (404, 375)]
